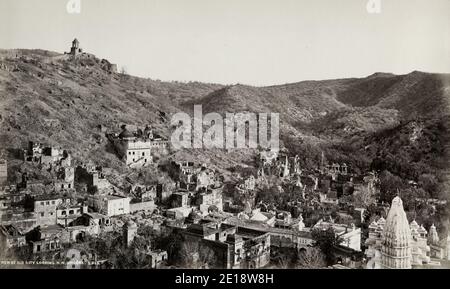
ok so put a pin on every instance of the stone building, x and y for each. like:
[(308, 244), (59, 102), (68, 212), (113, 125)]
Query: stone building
[(349, 234), (185, 172), (233, 247), (157, 258), (93, 176), (47, 156), (296, 236), (65, 179), (143, 198), (108, 66), (112, 205), (336, 168), (47, 239), (75, 50), (204, 179), (67, 212), (45, 207), (143, 193), (11, 236), (181, 199), (210, 199), (135, 149), (99, 180), (96, 222), (439, 248)]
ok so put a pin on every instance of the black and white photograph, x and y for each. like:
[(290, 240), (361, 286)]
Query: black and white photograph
[(241, 137)]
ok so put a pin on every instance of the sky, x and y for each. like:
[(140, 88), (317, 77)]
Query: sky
[(255, 42)]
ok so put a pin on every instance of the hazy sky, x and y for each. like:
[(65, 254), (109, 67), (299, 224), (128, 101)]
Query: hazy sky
[(258, 42)]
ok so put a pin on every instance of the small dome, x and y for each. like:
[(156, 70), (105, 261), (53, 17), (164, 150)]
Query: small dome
[(422, 230), (130, 224), (213, 208), (194, 215), (433, 238), (126, 134)]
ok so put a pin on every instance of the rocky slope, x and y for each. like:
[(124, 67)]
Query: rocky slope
[(48, 97)]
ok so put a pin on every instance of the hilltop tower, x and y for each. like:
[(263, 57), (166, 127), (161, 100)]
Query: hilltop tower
[(75, 49), (396, 245)]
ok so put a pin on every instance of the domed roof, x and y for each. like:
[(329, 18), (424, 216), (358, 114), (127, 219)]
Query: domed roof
[(258, 216), (397, 232), (130, 224), (422, 230), (243, 216), (194, 215), (213, 208), (433, 238), (126, 134), (414, 224), (373, 225)]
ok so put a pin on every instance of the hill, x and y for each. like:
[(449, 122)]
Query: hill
[(49, 97)]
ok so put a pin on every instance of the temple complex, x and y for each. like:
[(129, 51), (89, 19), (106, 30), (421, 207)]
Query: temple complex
[(395, 244)]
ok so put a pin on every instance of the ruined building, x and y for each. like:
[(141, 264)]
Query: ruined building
[(47, 156), (75, 49), (234, 247)]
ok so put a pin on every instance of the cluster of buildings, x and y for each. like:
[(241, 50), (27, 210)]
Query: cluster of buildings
[(239, 230), (42, 214), (197, 188), (137, 148)]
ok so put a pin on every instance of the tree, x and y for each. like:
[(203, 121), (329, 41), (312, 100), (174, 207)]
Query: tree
[(171, 243), (311, 258), (124, 70), (429, 183), (364, 198), (409, 197), (284, 262), (326, 240), (390, 185), (195, 255)]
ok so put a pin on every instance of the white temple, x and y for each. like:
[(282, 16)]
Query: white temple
[(395, 244)]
